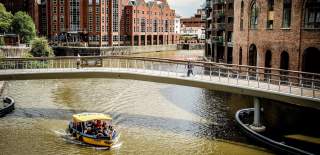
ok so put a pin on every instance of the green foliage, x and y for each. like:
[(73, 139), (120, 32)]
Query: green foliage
[(5, 19), (22, 24), (2, 41), (40, 48)]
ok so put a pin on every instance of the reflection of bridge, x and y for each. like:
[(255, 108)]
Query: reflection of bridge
[(287, 86)]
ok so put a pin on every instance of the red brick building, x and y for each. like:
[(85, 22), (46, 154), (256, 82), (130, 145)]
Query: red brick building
[(110, 22), (195, 21), (278, 33), (149, 23)]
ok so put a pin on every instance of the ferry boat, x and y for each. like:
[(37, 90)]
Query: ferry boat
[(94, 129)]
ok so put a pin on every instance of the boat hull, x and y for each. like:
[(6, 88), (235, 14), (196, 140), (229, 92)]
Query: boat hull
[(93, 140)]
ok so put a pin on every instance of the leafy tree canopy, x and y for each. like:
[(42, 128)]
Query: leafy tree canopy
[(40, 48), (5, 19), (22, 24)]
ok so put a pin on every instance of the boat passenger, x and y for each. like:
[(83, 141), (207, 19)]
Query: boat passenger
[(88, 131)]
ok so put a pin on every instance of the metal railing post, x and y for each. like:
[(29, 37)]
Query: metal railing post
[(228, 75), (210, 72), (302, 89), (219, 73), (290, 87), (177, 69), (313, 91), (248, 78), (238, 77)]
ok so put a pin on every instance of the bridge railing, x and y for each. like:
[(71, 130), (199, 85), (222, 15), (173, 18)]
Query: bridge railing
[(284, 81)]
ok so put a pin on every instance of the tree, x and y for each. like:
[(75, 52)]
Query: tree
[(41, 48), (5, 19), (22, 24)]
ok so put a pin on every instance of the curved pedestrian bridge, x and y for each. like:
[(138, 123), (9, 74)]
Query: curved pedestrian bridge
[(293, 87)]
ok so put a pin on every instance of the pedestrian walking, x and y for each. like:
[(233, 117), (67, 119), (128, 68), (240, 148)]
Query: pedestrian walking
[(190, 68), (78, 61)]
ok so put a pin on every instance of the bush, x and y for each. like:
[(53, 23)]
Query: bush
[(2, 41), (41, 48)]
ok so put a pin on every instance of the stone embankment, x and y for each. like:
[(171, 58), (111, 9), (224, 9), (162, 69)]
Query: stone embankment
[(191, 46), (13, 51), (116, 50)]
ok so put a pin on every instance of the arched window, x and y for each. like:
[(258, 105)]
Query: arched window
[(267, 64), (312, 14), (284, 62), (270, 14), (286, 17), (240, 56), (284, 65), (310, 62), (252, 55), (241, 16), (254, 16)]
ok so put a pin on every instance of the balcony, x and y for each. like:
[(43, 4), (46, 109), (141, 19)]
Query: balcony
[(208, 5), (218, 39), (219, 26), (218, 1), (219, 13)]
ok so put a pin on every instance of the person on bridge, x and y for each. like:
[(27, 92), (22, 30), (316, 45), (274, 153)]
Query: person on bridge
[(78, 61), (190, 68)]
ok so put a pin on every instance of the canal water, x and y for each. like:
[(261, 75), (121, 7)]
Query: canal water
[(152, 118)]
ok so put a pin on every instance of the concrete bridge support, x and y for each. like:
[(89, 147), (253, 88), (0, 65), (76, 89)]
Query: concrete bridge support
[(257, 126)]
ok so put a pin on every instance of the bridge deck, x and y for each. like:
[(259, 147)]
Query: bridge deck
[(294, 87), (287, 93)]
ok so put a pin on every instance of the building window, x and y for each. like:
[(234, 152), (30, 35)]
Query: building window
[(97, 10), (54, 18), (312, 14), (54, 10), (230, 20), (286, 19), (270, 14), (254, 16), (241, 16), (240, 56), (143, 25), (75, 15), (61, 9), (230, 6)]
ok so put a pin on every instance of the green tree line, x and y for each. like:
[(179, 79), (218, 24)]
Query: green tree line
[(22, 24)]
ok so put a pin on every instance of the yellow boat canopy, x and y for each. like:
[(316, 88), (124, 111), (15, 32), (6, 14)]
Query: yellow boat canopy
[(84, 117)]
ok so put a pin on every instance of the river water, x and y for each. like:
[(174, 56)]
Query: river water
[(152, 118)]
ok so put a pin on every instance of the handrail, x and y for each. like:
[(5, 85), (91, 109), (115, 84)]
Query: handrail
[(270, 76), (156, 58)]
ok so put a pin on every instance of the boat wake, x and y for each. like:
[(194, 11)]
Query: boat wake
[(69, 139)]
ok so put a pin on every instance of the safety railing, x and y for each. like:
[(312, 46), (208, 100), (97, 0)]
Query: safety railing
[(284, 81)]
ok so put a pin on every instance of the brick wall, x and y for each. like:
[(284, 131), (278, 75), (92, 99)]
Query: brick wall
[(294, 40)]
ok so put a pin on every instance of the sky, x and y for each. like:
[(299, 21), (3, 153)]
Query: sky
[(185, 8)]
